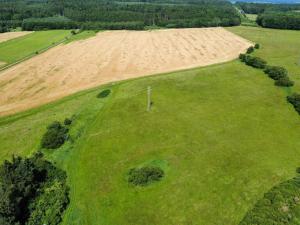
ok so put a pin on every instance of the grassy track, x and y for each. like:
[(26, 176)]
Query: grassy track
[(224, 135), (251, 17), (16, 49)]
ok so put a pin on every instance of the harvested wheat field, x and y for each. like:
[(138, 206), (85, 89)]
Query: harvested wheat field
[(112, 56), (11, 35)]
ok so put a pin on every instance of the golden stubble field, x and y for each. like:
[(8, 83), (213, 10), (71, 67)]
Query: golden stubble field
[(112, 56)]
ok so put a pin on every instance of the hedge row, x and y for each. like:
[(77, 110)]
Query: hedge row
[(278, 74), (280, 20), (56, 134)]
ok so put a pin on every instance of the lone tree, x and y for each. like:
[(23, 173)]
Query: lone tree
[(55, 136), (145, 175)]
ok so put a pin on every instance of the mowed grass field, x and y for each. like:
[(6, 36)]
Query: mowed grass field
[(18, 48), (224, 135)]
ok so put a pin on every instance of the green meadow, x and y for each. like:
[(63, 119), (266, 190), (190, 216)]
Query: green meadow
[(223, 134), (16, 49)]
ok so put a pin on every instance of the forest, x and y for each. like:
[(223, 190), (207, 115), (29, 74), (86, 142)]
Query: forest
[(278, 16), (280, 20), (99, 14)]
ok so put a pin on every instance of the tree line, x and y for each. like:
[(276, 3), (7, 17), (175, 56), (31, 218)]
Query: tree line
[(278, 16), (259, 8), (280, 20), (99, 14)]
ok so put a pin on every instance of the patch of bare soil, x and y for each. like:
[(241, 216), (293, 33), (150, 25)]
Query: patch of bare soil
[(112, 56)]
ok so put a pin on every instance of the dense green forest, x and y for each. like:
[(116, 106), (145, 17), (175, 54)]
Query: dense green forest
[(280, 20), (259, 8), (99, 14), (279, 16)]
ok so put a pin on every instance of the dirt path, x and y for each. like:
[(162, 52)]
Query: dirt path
[(112, 56)]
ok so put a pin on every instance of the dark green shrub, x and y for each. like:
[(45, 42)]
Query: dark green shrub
[(33, 191), (284, 82), (242, 57), (68, 121), (298, 170), (55, 136), (279, 206), (256, 46), (54, 125), (276, 72), (255, 62), (294, 99), (104, 94), (73, 32), (250, 50), (145, 175)]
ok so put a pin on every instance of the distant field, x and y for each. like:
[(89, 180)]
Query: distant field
[(112, 56), (251, 17), (11, 35), (224, 135), (16, 49)]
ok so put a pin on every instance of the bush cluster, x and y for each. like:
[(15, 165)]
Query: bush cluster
[(294, 99), (250, 50), (145, 175), (55, 136), (277, 73), (253, 61), (279, 206), (33, 191), (68, 121), (280, 75), (284, 82)]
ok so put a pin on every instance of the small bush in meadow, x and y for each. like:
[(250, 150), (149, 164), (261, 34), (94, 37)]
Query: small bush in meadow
[(242, 57), (145, 175), (257, 46), (103, 94), (55, 136), (276, 72), (284, 82), (250, 50), (255, 62), (294, 99), (68, 121)]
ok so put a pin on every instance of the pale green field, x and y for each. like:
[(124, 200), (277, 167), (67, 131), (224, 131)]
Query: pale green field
[(251, 17), (17, 49)]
